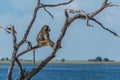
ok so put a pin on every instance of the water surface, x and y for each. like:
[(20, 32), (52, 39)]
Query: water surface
[(70, 72)]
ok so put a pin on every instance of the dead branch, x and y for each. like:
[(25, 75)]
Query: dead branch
[(12, 31), (89, 16), (80, 12), (55, 5), (82, 16), (48, 12), (27, 50), (19, 65), (5, 29), (104, 5), (115, 34), (30, 24)]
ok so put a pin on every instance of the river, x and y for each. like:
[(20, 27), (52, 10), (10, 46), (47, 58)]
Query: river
[(70, 72)]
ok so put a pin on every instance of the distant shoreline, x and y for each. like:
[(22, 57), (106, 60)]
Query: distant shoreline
[(66, 62)]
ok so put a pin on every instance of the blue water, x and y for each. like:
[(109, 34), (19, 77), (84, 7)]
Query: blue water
[(70, 72)]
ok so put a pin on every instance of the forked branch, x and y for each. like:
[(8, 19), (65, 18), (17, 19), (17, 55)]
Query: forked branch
[(55, 5), (104, 5), (90, 16)]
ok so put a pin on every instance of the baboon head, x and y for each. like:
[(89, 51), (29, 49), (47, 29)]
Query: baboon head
[(46, 28)]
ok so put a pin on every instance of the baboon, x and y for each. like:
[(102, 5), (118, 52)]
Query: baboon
[(43, 38)]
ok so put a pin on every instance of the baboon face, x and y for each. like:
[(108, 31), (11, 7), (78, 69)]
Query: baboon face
[(46, 28)]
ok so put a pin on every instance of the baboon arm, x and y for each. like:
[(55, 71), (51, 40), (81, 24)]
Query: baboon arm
[(46, 36)]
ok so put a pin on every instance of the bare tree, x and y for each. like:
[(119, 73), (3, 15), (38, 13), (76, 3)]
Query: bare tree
[(80, 14), (17, 45)]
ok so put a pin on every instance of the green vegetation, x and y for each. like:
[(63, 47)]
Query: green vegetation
[(97, 60), (100, 59)]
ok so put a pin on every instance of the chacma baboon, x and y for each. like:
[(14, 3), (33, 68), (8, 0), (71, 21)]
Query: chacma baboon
[(43, 38)]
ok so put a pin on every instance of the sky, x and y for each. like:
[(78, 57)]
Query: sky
[(80, 42)]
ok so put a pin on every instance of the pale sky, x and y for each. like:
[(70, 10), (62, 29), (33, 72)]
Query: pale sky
[(80, 42)]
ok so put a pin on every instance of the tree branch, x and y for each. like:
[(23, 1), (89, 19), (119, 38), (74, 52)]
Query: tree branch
[(19, 65), (87, 16), (27, 50), (48, 12), (104, 5), (11, 29), (55, 5), (30, 24), (115, 34)]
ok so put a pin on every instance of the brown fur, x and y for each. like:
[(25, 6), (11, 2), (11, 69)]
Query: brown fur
[(43, 38)]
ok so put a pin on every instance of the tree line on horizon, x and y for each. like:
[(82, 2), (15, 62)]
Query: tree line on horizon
[(100, 59)]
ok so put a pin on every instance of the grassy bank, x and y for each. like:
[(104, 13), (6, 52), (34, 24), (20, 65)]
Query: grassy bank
[(66, 62), (83, 62)]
